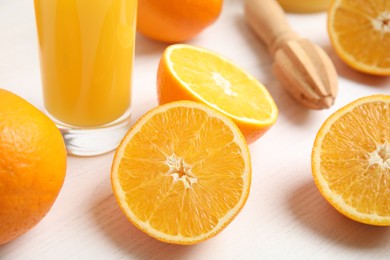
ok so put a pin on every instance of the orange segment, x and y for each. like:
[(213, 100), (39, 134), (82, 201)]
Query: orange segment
[(351, 160), (360, 34), (182, 173), (191, 73)]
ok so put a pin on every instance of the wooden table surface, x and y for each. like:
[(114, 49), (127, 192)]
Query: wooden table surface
[(285, 217)]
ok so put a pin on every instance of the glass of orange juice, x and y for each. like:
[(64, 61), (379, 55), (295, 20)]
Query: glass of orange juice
[(86, 54)]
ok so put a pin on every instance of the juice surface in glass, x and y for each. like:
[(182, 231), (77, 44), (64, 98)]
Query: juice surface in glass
[(86, 52), (304, 6)]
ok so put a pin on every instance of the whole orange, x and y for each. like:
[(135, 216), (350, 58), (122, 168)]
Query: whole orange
[(32, 165), (176, 20)]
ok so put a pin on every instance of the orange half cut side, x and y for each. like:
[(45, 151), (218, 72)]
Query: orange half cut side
[(182, 173), (360, 33), (189, 72), (351, 160)]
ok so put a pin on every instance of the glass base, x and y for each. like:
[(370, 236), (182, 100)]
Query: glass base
[(91, 141)]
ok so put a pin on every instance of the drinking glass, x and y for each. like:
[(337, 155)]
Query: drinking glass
[(86, 52)]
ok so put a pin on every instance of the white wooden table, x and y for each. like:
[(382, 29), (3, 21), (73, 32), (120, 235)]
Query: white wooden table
[(285, 216)]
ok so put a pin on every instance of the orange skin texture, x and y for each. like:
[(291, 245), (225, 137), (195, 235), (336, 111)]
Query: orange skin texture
[(176, 20), (32, 165), (169, 89)]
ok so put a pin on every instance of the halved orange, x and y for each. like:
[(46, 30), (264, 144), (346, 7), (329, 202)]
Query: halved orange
[(182, 173), (360, 33), (188, 72), (351, 160)]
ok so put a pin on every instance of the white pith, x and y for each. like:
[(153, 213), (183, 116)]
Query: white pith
[(382, 22), (180, 171), (223, 83), (381, 156)]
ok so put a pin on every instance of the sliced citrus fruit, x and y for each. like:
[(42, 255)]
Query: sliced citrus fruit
[(182, 173), (360, 33), (187, 72), (351, 160)]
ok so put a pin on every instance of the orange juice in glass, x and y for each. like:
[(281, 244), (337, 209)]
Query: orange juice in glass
[(304, 6), (86, 54)]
